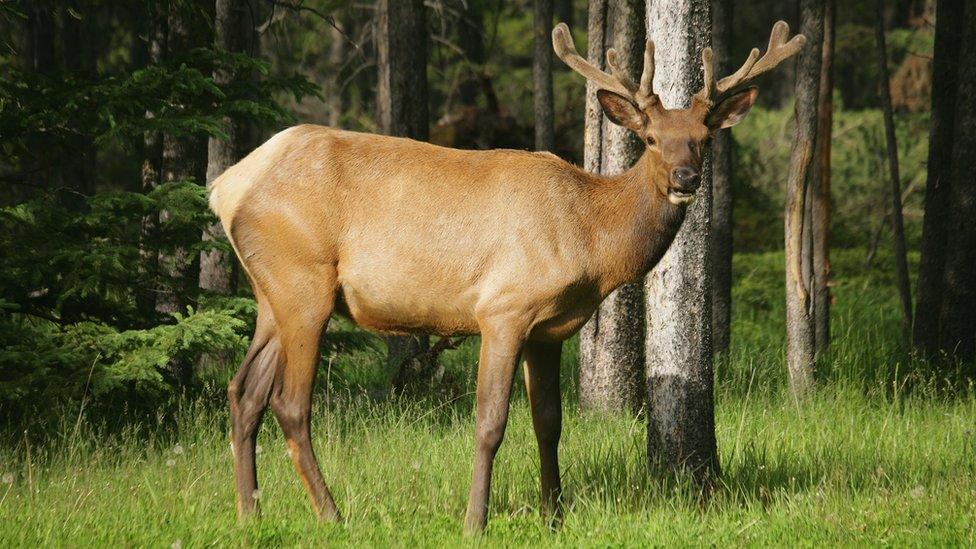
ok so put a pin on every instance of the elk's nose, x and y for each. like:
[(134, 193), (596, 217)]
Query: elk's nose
[(685, 178)]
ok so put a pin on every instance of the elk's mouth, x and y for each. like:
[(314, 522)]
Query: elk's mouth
[(679, 197)]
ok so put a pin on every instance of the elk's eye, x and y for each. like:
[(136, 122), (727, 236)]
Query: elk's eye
[(649, 140)]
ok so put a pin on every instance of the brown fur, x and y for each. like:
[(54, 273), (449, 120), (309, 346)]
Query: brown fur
[(403, 236)]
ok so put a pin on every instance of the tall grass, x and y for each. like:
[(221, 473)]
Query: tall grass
[(883, 453)]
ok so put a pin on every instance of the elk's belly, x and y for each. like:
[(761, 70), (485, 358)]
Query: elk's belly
[(402, 307), (407, 306)]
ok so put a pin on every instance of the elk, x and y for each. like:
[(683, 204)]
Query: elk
[(403, 236)]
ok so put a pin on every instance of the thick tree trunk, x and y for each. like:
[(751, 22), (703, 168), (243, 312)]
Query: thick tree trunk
[(401, 42), (680, 414), (820, 208), (897, 223), (611, 343), (958, 312), (402, 60), (945, 74), (230, 35), (799, 322), (545, 132), (722, 191)]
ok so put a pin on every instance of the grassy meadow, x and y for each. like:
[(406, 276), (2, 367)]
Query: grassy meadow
[(885, 453)]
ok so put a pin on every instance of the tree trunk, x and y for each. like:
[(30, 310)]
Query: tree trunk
[(680, 414), (722, 191), (147, 297), (333, 80), (471, 40), (820, 209), (38, 51), (38, 57), (945, 74), (230, 35), (799, 324), (611, 343), (401, 43), (183, 159), (402, 59), (545, 132), (958, 312), (564, 12), (897, 223)]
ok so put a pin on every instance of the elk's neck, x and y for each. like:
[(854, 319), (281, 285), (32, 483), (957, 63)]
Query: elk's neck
[(634, 223)]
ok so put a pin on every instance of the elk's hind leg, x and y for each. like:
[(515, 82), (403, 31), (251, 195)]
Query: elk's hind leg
[(301, 325), (248, 394)]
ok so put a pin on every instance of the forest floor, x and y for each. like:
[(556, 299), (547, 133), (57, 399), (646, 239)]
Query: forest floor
[(884, 453)]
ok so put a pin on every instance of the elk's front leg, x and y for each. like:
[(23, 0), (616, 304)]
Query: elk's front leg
[(542, 384), (500, 348)]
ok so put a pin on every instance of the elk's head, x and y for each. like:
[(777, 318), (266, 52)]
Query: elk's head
[(678, 136)]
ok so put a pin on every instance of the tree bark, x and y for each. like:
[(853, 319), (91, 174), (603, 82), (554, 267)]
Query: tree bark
[(680, 378), (897, 223), (722, 191), (183, 159), (564, 12), (799, 324), (38, 52), (820, 208), (958, 312), (401, 42), (147, 297), (611, 342), (230, 30), (471, 33), (333, 83), (402, 59), (945, 75), (545, 132)]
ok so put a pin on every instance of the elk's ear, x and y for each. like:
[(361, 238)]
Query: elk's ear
[(620, 110), (732, 109)]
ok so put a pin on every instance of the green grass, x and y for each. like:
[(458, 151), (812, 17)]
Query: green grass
[(885, 453)]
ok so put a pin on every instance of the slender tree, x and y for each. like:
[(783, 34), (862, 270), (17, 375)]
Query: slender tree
[(231, 29), (680, 414), (897, 223), (545, 132), (799, 323), (401, 44), (721, 191), (820, 194), (611, 343)]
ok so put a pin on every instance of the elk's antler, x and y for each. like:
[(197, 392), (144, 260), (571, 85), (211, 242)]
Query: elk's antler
[(617, 81), (779, 50)]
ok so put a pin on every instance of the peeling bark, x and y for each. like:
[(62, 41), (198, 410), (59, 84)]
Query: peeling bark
[(799, 322)]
